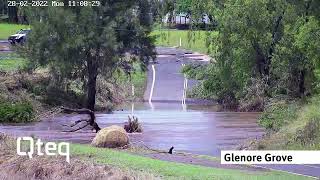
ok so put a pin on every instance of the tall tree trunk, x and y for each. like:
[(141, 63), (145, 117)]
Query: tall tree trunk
[(302, 83), (260, 60), (276, 37), (13, 14), (92, 82), (307, 6)]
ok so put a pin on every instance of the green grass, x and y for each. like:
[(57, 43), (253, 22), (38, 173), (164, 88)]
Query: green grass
[(192, 40), (11, 62), (170, 170), (305, 130), (138, 79), (278, 114), (8, 29), (298, 126)]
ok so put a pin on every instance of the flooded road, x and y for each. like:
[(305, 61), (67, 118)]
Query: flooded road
[(4, 46), (194, 127), (201, 132)]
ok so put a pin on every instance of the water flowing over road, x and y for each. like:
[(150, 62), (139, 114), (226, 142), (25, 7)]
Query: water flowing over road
[(195, 127), (191, 131)]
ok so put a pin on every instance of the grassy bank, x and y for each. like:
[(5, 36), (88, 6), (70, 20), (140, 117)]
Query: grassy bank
[(15, 104), (292, 125), (98, 163), (168, 170), (192, 40), (11, 62), (138, 79), (8, 29), (31, 95)]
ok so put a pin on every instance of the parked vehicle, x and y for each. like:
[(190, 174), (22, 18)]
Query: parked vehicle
[(19, 37)]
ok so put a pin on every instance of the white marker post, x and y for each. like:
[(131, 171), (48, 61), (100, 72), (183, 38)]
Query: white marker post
[(132, 103), (132, 108), (184, 92), (152, 86), (132, 90), (184, 85)]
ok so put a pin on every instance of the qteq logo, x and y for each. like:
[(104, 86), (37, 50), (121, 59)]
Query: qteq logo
[(50, 148)]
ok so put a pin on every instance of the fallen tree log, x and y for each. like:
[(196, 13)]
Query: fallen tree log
[(91, 121)]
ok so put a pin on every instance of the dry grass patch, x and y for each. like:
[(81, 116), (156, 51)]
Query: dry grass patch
[(56, 168)]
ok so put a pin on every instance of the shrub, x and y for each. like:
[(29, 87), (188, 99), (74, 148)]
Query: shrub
[(133, 125), (55, 96), (278, 114), (254, 95), (309, 134), (16, 112)]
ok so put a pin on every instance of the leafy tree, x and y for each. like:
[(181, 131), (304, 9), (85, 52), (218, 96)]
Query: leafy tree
[(156, 8), (270, 44), (3, 7), (184, 6), (296, 57), (168, 7), (87, 42), (248, 33), (197, 9)]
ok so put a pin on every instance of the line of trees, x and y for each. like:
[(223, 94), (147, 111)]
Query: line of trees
[(9, 14), (12, 14)]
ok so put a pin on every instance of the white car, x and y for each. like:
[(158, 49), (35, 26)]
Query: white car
[(19, 37)]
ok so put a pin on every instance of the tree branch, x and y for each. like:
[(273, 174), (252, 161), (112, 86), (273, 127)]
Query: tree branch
[(79, 128), (91, 121)]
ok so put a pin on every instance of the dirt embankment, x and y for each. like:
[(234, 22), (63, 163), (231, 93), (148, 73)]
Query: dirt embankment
[(14, 167), (40, 90)]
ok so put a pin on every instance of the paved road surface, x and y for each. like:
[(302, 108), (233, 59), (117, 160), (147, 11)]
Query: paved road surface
[(4, 46), (169, 81)]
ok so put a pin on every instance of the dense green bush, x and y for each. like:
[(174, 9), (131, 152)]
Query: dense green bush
[(213, 86), (278, 114), (309, 133), (16, 112), (37, 87), (297, 125)]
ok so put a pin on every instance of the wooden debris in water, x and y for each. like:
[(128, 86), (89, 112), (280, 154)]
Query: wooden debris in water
[(133, 125)]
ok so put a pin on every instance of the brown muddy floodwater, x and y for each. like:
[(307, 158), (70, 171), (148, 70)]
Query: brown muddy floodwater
[(199, 129)]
